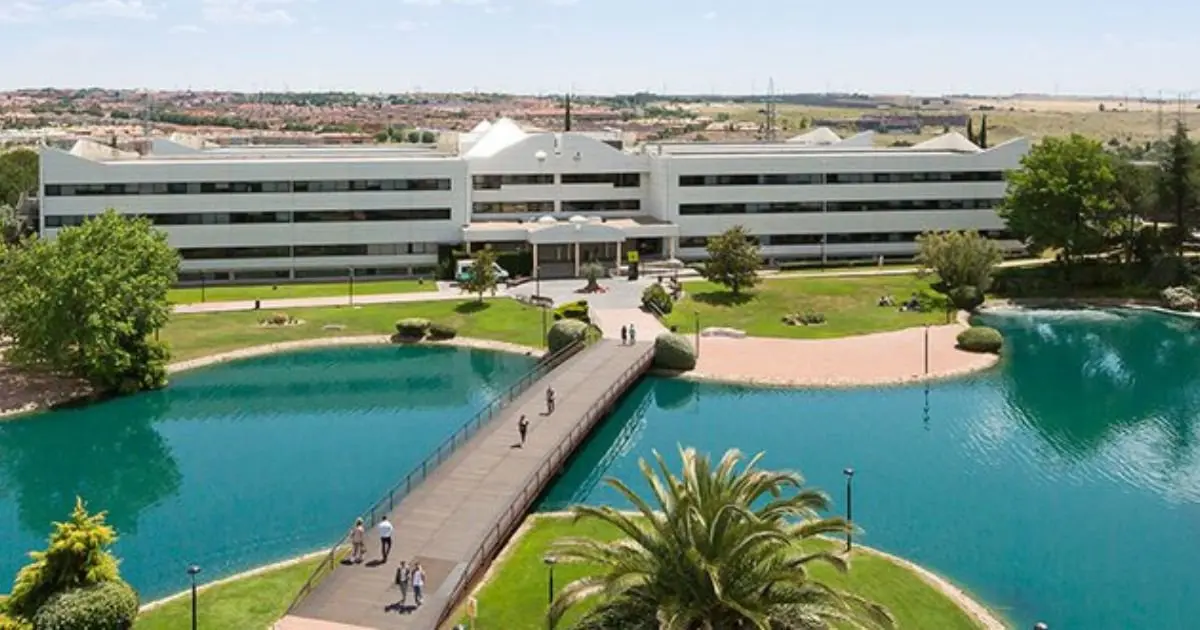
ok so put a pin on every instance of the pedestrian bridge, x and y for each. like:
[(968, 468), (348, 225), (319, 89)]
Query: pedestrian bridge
[(458, 509)]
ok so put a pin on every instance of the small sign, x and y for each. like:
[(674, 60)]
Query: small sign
[(632, 255)]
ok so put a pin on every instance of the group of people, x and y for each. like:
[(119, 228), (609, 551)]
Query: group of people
[(523, 422), (628, 335), (407, 576)]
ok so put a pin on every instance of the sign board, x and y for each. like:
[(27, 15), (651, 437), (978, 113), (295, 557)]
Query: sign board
[(632, 256)]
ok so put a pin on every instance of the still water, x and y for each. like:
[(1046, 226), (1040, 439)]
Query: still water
[(1062, 486), (240, 464)]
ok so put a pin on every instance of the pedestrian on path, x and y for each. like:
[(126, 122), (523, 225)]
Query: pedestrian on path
[(624, 335), (523, 428), (418, 583), (357, 548), (632, 335), (403, 580), (549, 400), (385, 538)]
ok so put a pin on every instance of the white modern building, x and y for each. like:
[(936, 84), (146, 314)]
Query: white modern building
[(252, 213)]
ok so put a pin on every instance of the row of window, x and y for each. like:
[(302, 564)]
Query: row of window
[(616, 180), (543, 207), (240, 218), (219, 188), (836, 239), (813, 179), (302, 274), (787, 207), (307, 251)]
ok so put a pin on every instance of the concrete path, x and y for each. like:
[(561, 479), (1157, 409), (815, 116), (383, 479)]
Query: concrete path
[(476, 498), (443, 293), (610, 321)]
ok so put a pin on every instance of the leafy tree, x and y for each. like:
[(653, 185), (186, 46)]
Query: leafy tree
[(482, 275), (983, 132), (78, 556), (733, 259), (1134, 198), (960, 259), (970, 129), (713, 547), (18, 174), (1062, 197), (87, 303), (1178, 182), (12, 225)]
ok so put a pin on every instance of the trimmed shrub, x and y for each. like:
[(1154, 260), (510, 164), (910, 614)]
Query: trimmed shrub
[(440, 332), (980, 339), (8, 623), (564, 333), (1179, 299), (573, 310), (104, 606), (674, 352), (279, 319), (965, 298), (412, 327), (656, 298)]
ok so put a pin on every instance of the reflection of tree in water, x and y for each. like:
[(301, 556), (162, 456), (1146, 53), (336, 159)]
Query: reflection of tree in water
[(675, 393), (1078, 381), (117, 462)]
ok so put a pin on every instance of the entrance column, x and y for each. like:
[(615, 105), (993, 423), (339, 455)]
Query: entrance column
[(576, 259), (535, 260), (671, 244), (618, 267), (467, 246)]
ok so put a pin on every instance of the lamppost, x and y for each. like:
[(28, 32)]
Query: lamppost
[(537, 279), (697, 313), (193, 571), (849, 472), (926, 349), (202, 283), (352, 286), (550, 562)]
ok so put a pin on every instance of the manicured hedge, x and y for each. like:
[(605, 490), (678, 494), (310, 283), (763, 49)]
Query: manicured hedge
[(965, 298), (565, 332), (573, 310), (439, 332), (104, 606), (412, 327), (655, 297), (980, 339), (674, 352)]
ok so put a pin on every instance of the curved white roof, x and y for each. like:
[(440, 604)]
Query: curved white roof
[(952, 141), (482, 127), (820, 135), (502, 134)]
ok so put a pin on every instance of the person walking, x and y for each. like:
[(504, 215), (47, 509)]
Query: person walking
[(403, 580), (523, 428), (624, 335), (357, 537), (385, 538), (632, 335), (418, 583), (549, 400)]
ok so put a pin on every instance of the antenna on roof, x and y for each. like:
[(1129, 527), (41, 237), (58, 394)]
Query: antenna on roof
[(567, 113)]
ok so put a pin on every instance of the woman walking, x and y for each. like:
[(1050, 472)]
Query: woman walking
[(418, 583), (358, 547)]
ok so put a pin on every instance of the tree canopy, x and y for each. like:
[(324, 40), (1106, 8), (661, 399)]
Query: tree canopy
[(1063, 197), (87, 303), (960, 259), (482, 276), (1178, 183), (18, 174), (733, 259)]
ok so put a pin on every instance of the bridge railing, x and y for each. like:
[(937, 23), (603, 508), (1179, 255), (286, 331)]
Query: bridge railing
[(512, 516), (387, 503)]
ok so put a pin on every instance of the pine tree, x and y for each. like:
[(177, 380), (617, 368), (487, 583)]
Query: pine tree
[(983, 133), (970, 129), (567, 114)]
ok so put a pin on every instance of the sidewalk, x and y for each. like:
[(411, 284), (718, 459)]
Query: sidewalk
[(610, 321), (341, 300)]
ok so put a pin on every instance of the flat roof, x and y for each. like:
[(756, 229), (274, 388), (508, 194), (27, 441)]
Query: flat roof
[(710, 150), (203, 159)]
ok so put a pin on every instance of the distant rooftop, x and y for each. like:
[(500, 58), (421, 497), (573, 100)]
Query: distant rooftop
[(818, 141)]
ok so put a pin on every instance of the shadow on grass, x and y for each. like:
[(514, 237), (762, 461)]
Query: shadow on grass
[(474, 306), (723, 298)]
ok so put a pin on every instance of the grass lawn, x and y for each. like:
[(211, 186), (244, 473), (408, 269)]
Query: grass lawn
[(231, 293), (195, 335), (515, 596), (849, 305), (253, 603)]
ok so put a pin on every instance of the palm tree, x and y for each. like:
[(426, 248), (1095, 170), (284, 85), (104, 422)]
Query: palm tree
[(715, 549)]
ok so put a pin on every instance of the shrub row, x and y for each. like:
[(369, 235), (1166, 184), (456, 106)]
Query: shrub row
[(564, 333), (573, 310), (980, 339), (656, 298), (417, 328), (104, 606)]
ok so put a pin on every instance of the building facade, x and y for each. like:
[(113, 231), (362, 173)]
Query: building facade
[(255, 213)]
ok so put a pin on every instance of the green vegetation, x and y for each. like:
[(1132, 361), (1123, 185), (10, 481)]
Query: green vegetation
[(564, 333), (733, 260), (674, 352), (850, 305), (18, 175), (960, 259), (103, 606), (412, 328), (232, 293), (251, 603), (656, 299), (481, 277), (573, 310), (195, 335), (981, 339), (88, 303)]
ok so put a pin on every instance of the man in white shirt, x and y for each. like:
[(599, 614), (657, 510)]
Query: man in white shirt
[(385, 537)]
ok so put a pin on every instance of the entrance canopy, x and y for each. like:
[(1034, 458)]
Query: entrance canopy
[(578, 229)]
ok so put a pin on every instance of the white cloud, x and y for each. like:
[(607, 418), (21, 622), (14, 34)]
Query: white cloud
[(20, 10), (187, 28), (248, 11), (409, 25), (122, 9), (711, 15)]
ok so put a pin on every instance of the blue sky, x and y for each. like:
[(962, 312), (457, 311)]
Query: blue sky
[(604, 46)]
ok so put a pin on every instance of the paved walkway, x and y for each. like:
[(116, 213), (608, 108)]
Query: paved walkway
[(443, 293), (444, 521), (610, 321)]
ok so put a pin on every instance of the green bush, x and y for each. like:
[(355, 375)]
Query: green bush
[(674, 352), (573, 310), (564, 333), (105, 606), (980, 339), (412, 327), (8, 623), (656, 298), (439, 332), (965, 298)]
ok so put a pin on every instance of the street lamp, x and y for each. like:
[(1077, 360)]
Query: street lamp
[(697, 313), (192, 572), (849, 472), (352, 286), (537, 279), (550, 562)]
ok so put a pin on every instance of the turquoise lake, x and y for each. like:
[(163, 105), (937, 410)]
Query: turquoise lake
[(1062, 486), (240, 464)]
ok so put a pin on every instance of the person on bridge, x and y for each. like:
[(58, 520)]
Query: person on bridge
[(549, 400), (385, 538), (632, 335), (523, 428), (418, 583), (403, 580), (357, 548), (624, 335)]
